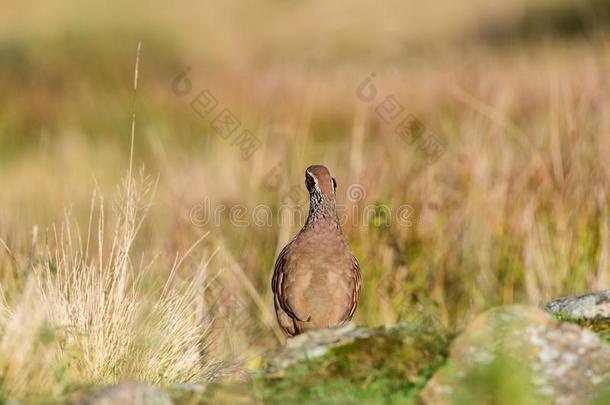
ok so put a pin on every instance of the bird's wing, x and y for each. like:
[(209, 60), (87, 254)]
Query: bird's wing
[(277, 281), (278, 271), (355, 290)]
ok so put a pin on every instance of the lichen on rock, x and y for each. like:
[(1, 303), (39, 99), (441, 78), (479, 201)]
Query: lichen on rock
[(358, 364), (522, 352), (591, 310)]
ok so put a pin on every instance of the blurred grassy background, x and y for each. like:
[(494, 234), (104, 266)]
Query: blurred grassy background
[(515, 210)]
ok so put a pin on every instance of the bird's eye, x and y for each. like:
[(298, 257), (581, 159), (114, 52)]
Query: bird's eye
[(334, 184)]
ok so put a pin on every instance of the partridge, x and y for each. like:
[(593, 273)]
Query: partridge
[(316, 278)]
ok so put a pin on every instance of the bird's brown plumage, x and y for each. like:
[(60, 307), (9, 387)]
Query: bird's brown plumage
[(316, 279)]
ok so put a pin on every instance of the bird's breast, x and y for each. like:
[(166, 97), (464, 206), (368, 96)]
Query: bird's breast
[(319, 281)]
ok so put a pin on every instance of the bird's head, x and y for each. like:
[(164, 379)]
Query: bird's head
[(319, 182)]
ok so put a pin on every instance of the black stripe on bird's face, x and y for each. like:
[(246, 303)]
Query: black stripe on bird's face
[(311, 182)]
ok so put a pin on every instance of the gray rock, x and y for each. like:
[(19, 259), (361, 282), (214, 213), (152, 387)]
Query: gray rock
[(130, 393), (522, 348), (317, 343), (592, 306), (314, 344), (388, 364)]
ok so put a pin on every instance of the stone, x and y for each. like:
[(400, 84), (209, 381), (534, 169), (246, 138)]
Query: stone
[(388, 364), (591, 306), (130, 393), (520, 351), (314, 344)]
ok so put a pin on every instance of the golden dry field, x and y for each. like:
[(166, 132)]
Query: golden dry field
[(470, 142)]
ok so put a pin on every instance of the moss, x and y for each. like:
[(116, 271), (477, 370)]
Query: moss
[(560, 316), (388, 367), (599, 326)]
